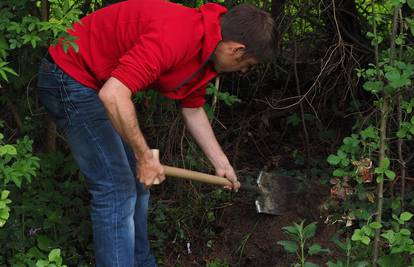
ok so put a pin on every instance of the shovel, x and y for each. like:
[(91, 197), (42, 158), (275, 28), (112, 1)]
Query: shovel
[(271, 190)]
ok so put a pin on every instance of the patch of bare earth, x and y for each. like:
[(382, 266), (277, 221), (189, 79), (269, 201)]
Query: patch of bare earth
[(246, 238)]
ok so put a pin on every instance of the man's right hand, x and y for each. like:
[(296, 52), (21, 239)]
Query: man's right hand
[(150, 170), (116, 98)]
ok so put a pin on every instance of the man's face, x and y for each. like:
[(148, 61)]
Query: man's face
[(230, 57)]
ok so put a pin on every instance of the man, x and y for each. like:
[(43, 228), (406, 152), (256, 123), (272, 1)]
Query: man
[(129, 47)]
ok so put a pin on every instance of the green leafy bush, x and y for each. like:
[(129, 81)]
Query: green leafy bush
[(17, 164)]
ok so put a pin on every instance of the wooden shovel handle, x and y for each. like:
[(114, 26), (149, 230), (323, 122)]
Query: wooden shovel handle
[(191, 175), (195, 176)]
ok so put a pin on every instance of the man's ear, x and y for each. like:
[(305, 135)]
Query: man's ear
[(238, 48), (239, 52)]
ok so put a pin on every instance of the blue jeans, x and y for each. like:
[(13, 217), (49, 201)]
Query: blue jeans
[(119, 202)]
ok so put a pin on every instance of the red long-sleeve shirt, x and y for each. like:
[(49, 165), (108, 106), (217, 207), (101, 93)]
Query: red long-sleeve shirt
[(146, 43)]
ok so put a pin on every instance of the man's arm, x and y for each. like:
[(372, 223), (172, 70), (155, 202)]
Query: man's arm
[(116, 98), (197, 123)]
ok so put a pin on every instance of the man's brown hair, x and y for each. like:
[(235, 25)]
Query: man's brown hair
[(252, 27)]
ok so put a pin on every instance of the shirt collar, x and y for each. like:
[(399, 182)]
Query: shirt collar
[(212, 29)]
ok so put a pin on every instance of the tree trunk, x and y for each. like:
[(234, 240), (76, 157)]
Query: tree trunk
[(45, 10), (86, 6), (228, 3), (51, 134), (109, 2), (277, 7), (276, 12)]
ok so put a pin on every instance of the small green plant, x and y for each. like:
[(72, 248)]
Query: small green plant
[(54, 259), (365, 233), (399, 238), (4, 209), (300, 234), (348, 249), (225, 97)]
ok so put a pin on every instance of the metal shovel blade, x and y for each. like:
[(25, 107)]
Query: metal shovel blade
[(273, 192)]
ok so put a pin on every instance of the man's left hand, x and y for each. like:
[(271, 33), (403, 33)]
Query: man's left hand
[(228, 172)]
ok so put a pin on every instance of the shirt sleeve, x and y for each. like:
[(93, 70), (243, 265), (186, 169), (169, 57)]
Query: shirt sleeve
[(195, 100)]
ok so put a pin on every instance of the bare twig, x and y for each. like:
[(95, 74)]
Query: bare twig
[(331, 51), (302, 115), (400, 154)]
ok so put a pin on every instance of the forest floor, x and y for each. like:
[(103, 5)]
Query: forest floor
[(246, 238)]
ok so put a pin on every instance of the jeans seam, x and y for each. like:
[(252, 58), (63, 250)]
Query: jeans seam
[(62, 99), (116, 193), (66, 92)]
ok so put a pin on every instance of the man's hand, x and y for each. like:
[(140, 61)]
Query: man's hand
[(197, 123), (150, 170), (116, 98), (228, 172)]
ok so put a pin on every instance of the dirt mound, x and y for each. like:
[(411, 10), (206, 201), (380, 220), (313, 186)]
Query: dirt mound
[(246, 238)]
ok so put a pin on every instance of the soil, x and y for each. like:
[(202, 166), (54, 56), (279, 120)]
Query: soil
[(246, 238)]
